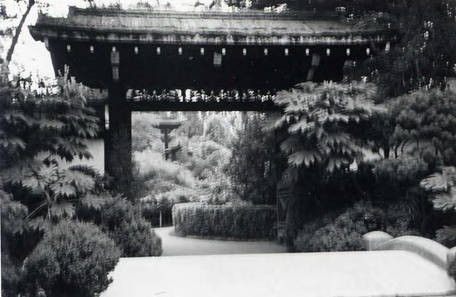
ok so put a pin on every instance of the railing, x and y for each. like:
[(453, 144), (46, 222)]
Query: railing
[(200, 96), (424, 247)]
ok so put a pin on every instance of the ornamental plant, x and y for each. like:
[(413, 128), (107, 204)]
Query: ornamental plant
[(72, 259), (442, 193), (36, 134), (319, 121)]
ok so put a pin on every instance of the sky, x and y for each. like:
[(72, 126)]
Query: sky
[(32, 57)]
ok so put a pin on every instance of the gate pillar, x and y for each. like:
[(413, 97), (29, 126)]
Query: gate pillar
[(118, 158)]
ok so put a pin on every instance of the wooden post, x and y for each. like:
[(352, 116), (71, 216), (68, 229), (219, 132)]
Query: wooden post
[(118, 164), (314, 64), (161, 219)]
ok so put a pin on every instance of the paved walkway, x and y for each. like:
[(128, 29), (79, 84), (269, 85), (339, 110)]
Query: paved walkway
[(346, 274), (184, 246)]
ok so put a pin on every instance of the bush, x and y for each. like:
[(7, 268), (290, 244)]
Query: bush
[(228, 221), (153, 205), (73, 259), (152, 165), (12, 215), (343, 232), (129, 229)]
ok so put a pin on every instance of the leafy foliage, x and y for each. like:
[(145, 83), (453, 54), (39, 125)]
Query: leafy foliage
[(425, 52), (219, 131), (73, 259), (442, 193), (55, 126), (342, 231), (35, 135), (130, 231), (255, 162), (144, 134), (12, 214), (318, 119), (440, 185), (424, 125), (227, 221), (404, 171)]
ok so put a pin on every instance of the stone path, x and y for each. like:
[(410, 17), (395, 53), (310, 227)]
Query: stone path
[(184, 246)]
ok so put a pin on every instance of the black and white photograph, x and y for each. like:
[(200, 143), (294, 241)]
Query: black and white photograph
[(228, 148)]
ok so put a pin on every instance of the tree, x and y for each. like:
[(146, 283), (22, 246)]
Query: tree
[(36, 133), (423, 56), (424, 124), (319, 120), (144, 133), (219, 130), (255, 162), (17, 32)]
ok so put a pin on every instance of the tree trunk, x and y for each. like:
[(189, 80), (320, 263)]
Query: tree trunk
[(386, 151), (291, 221), (9, 55)]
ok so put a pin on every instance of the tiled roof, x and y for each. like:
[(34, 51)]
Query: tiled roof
[(204, 27)]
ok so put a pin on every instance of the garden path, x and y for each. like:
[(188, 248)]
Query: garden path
[(185, 246)]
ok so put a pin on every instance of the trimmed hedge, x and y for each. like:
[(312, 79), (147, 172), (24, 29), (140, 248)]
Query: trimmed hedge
[(228, 221)]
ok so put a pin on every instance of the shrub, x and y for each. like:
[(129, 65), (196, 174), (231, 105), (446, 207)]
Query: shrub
[(152, 206), (12, 215), (129, 229), (228, 221), (152, 164), (343, 232), (73, 259)]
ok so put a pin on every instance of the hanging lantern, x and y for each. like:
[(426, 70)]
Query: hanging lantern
[(158, 50), (328, 51), (179, 50), (202, 51), (286, 51), (368, 51), (348, 52), (91, 49), (136, 50), (426, 35), (244, 51), (68, 47), (307, 51), (388, 47), (106, 116), (114, 49), (266, 51)]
